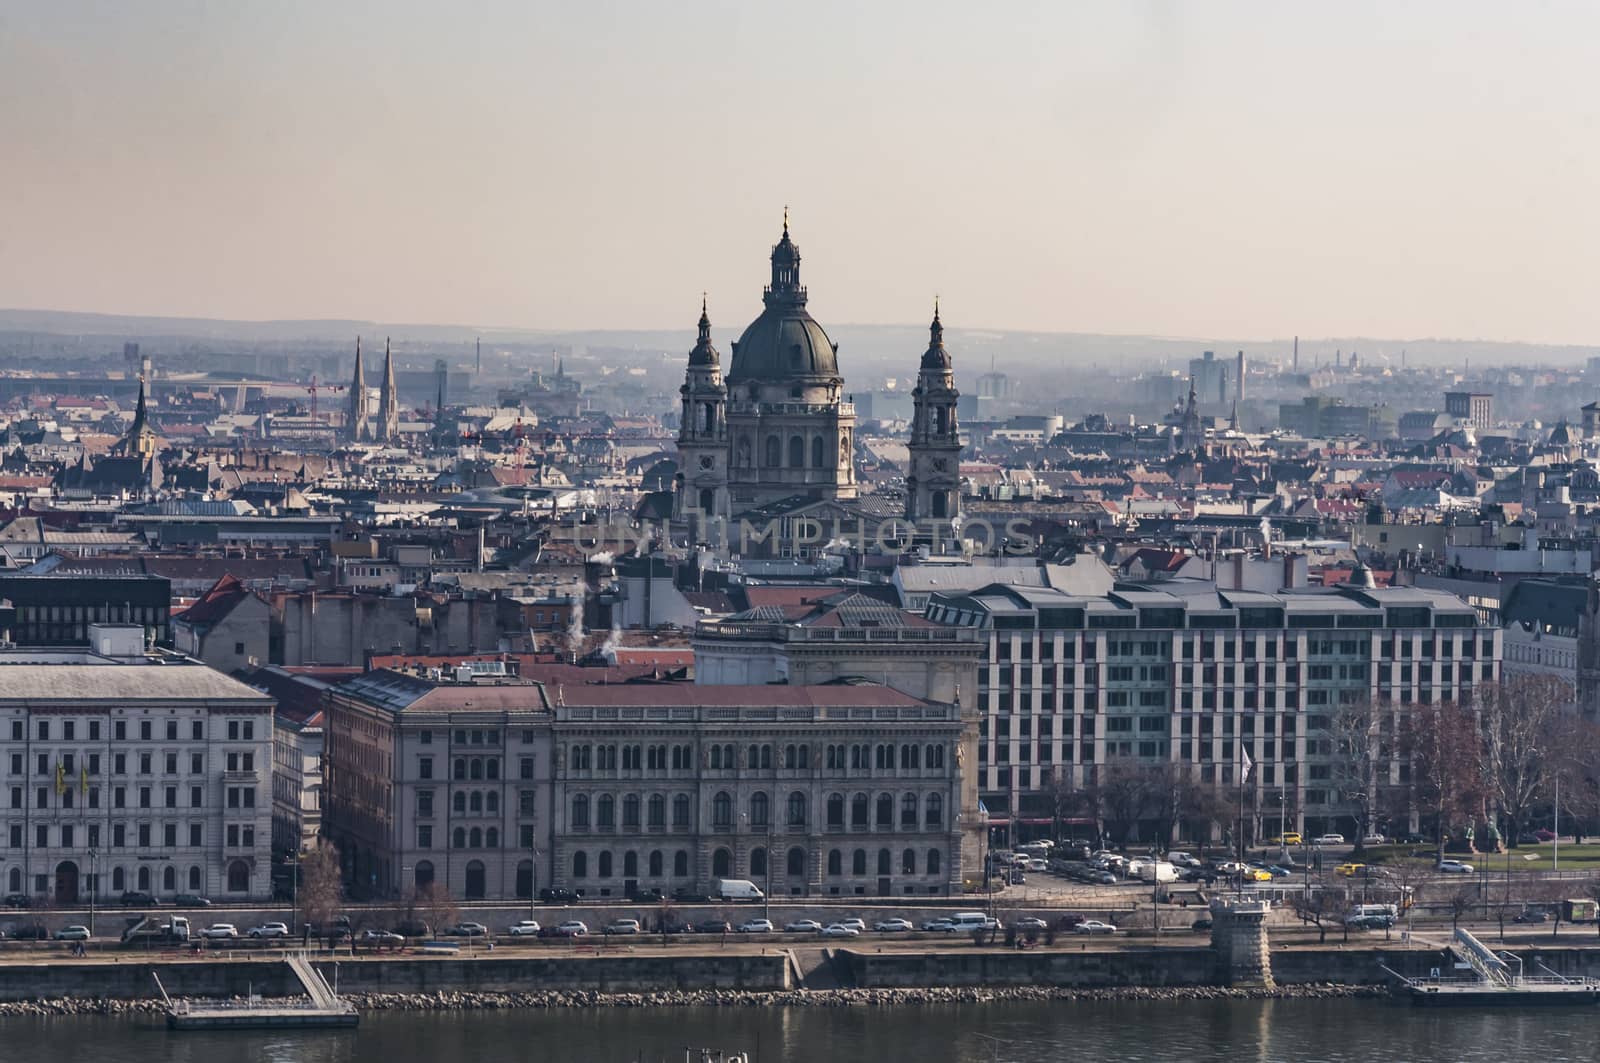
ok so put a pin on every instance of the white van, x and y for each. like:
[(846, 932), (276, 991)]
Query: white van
[(967, 922), (736, 889)]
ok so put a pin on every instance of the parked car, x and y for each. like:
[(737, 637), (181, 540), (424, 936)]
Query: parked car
[(191, 900), (936, 926), (1105, 878), (29, 932), (1201, 925), (1349, 870), (624, 926), (839, 930), (139, 898), (1455, 867), (18, 900), (713, 926), (1374, 839), (1094, 926), (220, 932), (270, 930), (468, 930), (559, 895), (854, 921), (379, 939), (525, 928), (1256, 874), (1329, 839), (1370, 922), (803, 926), (1530, 915), (893, 926), (685, 895), (1031, 922), (757, 926), (413, 928), (1291, 837), (72, 933), (573, 928), (1545, 835)]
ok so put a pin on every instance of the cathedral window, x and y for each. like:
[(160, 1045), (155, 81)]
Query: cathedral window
[(817, 453), (774, 452), (797, 452)]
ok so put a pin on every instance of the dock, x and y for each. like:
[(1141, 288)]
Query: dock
[(321, 1007), (1482, 977)]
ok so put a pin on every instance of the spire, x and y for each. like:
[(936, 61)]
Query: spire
[(388, 399), (704, 353), (786, 219), (936, 356), (785, 289), (356, 418)]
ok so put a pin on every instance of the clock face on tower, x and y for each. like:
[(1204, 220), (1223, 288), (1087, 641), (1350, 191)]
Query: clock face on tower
[(939, 465), (707, 461)]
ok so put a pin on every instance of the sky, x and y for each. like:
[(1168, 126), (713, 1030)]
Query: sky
[(1212, 168)]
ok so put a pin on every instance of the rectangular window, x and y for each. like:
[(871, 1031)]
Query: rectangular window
[(233, 836), (41, 836), (145, 730), (424, 767), (44, 730), (119, 730), (424, 802), (526, 767), (16, 730), (144, 835), (144, 797), (194, 835), (172, 730), (197, 731), (196, 797), (171, 797), (169, 835), (172, 764), (197, 764), (424, 836)]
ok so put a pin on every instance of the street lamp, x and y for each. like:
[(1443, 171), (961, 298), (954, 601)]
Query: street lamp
[(533, 878), (94, 882)]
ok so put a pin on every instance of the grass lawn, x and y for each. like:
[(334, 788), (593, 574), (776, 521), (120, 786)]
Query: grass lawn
[(1584, 857)]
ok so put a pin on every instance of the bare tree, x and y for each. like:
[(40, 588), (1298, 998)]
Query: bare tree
[(1460, 902), (435, 901), (1441, 744), (321, 884), (1523, 720), (1359, 734), (1127, 795), (1320, 907)]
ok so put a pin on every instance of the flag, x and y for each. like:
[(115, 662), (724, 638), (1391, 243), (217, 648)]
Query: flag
[(61, 778), (1244, 771), (83, 779)]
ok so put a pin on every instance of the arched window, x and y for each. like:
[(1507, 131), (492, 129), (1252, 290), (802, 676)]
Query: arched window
[(941, 499), (477, 880), (491, 801), (758, 862), (721, 864), (935, 756), (835, 863), (759, 810), (492, 768), (908, 862), (836, 810), (459, 839), (680, 864), (858, 862), (858, 810), (911, 757), (708, 417), (797, 862), (630, 811), (884, 862), (722, 810), (797, 452), (630, 864), (727, 756), (491, 838), (797, 809), (475, 839), (605, 863), (934, 815), (708, 501), (805, 756), (169, 878), (119, 879), (476, 771), (774, 452), (818, 453), (459, 801), (580, 812), (14, 880), (885, 811), (525, 879), (238, 877), (476, 800), (791, 759), (908, 811), (194, 880), (422, 874), (933, 861), (460, 770), (716, 757), (580, 864), (658, 811), (656, 863), (680, 810), (605, 812)]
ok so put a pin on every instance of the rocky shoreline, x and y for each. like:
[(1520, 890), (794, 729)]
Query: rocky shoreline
[(705, 998)]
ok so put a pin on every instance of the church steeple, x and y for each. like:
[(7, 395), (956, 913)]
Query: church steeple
[(933, 480), (704, 353), (356, 418), (388, 399), (785, 289), (700, 490), (936, 357)]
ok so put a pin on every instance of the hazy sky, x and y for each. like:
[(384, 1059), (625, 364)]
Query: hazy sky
[(1208, 168)]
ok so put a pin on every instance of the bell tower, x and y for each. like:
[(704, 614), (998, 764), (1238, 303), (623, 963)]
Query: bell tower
[(933, 481), (700, 494)]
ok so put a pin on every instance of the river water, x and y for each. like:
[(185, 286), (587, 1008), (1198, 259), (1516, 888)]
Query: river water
[(1236, 1031)]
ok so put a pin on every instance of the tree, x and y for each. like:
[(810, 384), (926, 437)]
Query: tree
[(1443, 751), (1524, 722), (1460, 901), (433, 899), (1127, 794), (321, 884), (1358, 733)]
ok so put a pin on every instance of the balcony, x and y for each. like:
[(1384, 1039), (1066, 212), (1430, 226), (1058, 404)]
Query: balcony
[(241, 777)]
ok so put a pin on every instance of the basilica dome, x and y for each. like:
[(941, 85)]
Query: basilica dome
[(785, 343)]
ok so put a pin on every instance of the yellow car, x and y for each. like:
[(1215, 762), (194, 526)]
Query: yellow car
[(1292, 838), (1255, 874), (1350, 870)]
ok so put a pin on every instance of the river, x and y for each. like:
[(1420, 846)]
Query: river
[(1359, 1031)]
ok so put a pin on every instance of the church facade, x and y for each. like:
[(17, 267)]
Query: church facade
[(776, 434)]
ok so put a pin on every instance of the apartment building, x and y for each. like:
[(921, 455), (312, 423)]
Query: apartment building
[(1184, 672), (127, 770)]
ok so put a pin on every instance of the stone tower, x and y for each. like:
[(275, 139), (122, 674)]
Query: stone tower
[(355, 422), (388, 400), (701, 489), (933, 481)]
